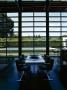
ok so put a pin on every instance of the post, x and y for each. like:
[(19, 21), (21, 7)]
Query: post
[(47, 27)]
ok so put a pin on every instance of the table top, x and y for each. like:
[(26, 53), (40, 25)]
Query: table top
[(38, 59)]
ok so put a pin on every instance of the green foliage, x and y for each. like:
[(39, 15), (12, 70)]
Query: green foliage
[(28, 42), (55, 44), (6, 25)]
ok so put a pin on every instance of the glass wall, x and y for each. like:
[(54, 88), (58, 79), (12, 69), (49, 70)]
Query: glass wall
[(33, 0), (33, 33), (64, 29), (57, 0), (12, 41), (8, 0), (44, 0), (54, 32), (58, 32), (8, 34), (3, 18)]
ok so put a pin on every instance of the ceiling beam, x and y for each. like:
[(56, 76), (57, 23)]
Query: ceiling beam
[(33, 6)]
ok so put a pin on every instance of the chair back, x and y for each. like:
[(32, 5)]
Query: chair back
[(20, 63), (49, 63)]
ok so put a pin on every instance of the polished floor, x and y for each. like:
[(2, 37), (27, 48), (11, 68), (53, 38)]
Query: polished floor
[(8, 80)]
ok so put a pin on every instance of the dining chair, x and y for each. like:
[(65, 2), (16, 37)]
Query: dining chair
[(49, 63), (47, 66)]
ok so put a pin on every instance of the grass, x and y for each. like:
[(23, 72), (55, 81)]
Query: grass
[(39, 41)]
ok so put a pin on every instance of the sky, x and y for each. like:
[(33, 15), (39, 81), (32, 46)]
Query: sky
[(40, 16)]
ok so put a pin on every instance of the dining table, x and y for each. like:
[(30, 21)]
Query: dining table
[(34, 61)]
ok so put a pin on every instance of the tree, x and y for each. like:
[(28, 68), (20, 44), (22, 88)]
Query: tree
[(6, 25)]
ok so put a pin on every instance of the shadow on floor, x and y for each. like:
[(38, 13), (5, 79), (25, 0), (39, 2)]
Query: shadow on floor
[(36, 82), (10, 77)]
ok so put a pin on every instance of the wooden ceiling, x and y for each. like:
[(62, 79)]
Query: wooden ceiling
[(33, 6)]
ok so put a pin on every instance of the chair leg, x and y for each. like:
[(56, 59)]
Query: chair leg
[(48, 75), (22, 73)]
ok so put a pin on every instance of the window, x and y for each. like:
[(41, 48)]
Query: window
[(9, 34), (8, 0), (54, 33), (33, 32), (57, 31)]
